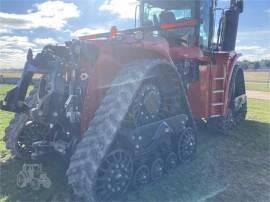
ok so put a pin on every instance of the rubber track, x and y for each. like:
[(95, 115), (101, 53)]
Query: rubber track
[(17, 123), (100, 135)]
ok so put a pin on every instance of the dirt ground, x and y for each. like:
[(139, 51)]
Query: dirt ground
[(258, 95)]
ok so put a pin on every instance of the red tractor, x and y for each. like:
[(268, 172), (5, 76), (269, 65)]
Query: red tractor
[(123, 105)]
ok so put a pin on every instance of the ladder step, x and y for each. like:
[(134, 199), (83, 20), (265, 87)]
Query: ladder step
[(217, 104), (218, 91), (215, 116), (218, 78)]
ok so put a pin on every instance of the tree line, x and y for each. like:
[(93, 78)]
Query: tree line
[(254, 65)]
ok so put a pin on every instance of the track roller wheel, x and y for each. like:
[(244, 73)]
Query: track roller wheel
[(186, 144), (114, 175), (141, 177), (171, 161), (157, 169), (229, 121)]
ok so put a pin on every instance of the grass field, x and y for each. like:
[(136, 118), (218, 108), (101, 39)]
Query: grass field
[(226, 168), (257, 76), (9, 73), (257, 81), (258, 86), (14, 74), (5, 117)]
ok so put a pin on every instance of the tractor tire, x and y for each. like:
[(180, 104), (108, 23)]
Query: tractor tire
[(233, 118), (94, 148), (16, 125)]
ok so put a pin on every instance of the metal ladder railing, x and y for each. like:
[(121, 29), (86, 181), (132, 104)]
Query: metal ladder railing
[(217, 91)]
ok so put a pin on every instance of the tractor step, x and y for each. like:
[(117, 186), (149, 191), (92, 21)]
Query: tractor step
[(218, 78), (215, 116), (217, 104), (217, 95), (218, 91)]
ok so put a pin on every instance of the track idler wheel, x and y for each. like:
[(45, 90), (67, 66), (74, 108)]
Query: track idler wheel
[(114, 175), (30, 133), (171, 161), (141, 177), (157, 169), (186, 144)]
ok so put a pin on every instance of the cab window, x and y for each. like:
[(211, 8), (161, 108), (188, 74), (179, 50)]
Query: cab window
[(160, 12), (204, 25)]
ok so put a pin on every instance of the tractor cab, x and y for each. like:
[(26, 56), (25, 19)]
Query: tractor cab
[(198, 19), (154, 13)]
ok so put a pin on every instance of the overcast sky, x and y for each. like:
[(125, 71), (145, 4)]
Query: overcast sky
[(34, 23)]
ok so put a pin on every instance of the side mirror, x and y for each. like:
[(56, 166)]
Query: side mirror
[(240, 6)]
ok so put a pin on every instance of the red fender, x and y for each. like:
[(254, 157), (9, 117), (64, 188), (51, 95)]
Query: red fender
[(112, 57)]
